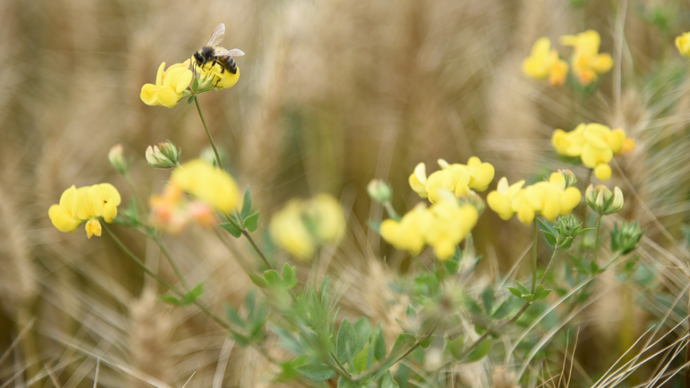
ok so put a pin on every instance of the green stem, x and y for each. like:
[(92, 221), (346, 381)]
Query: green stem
[(210, 139), (137, 199), (548, 266), (534, 257), (391, 211), (168, 256), (164, 282), (598, 240)]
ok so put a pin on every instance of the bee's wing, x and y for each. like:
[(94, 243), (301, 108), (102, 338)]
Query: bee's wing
[(216, 35), (225, 53)]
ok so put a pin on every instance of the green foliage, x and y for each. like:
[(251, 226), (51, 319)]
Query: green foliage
[(626, 237), (187, 299)]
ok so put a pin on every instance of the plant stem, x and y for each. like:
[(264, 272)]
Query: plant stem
[(534, 257), (391, 211), (164, 282), (548, 266), (210, 139), (168, 256), (496, 328), (137, 199), (598, 240)]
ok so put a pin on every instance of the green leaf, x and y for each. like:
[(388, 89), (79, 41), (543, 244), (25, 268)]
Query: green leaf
[(504, 309), (404, 340), (346, 342), (361, 362), (480, 351), (258, 280), (272, 278), (235, 231), (515, 291), (522, 288), (171, 300), (551, 240), (193, 294), (376, 225), (488, 299), (379, 342), (252, 222), (246, 203), (541, 293), (316, 371), (190, 100), (289, 276), (345, 383), (195, 85), (455, 347), (411, 315), (234, 316), (387, 381), (288, 342), (363, 330), (428, 341)]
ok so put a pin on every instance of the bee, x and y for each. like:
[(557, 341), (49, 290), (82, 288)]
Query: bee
[(216, 54)]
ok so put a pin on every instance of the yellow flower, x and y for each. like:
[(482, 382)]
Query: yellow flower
[(683, 44), (443, 226), (326, 212), (64, 215), (451, 224), (290, 233), (544, 62), (85, 204), (501, 199), (208, 184), (303, 225), (586, 61), (595, 144), (550, 199), (216, 76), (170, 86), (457, 178), (409, 232)]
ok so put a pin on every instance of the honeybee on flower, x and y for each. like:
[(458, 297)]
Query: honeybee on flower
[(215, 65)]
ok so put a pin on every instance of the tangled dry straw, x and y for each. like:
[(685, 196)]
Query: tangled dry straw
[(333, 93)]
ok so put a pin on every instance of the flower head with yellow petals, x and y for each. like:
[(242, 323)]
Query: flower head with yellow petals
[(587, 63), (544, 63), (85, 204), (456, 178), (171, 85)]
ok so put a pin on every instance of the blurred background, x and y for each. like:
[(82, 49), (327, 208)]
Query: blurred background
[(332, 94)]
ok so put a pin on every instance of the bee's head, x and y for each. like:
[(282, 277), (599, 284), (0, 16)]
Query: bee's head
[(198, 58)]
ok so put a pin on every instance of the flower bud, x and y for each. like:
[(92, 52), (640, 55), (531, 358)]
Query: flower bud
[(379, 191), (570, 178), (163, 155), (116, 159), (626, 238), (603, 201)]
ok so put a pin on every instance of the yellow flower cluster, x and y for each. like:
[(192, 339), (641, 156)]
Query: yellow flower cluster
[(170, 86), (544, 62), (216, 77), (85, 204), (595, 144), (683, 44), (443, 226), (457, 178), (302, 225), (586, 62), (212, 190), (549, 198)]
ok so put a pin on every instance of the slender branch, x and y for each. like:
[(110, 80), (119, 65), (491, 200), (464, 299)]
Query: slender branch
[(534, 256), (168, 256), (598, 240), (391, 211), (210, 139)]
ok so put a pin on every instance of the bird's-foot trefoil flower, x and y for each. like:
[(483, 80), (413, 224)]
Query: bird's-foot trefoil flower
[(208, 184), (303, 225), (457, 178), (85, 204), (171, 85), (683, 44), (595, 145), (544, 63), (600, 199), (164, 155), (586, 61), (215, 77)]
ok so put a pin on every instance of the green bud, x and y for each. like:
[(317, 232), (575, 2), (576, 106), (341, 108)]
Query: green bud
[(603, 201), (163, 155), (379, 191), (116, 159), (626, 238)]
